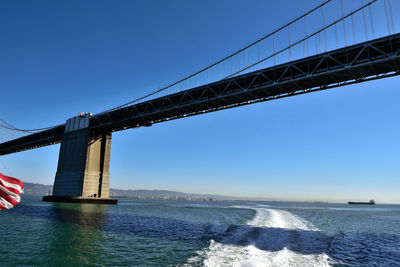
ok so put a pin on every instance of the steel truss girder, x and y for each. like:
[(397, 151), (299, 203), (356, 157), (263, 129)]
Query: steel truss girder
[(322, 71), (374, 59)]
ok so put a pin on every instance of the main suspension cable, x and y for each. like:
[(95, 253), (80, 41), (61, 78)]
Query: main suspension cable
[(8, 126), (220, 61)]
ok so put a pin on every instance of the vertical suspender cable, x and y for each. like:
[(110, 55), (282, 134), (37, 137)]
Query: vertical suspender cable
[(324, 24), (307, 41), (353, 28), (371, 21), (305, 35), (364, 20), (336, 36), (391, 15), (387, 17), (274, 45), (344, 24), (259, 54), (319, 42), (290, 46)]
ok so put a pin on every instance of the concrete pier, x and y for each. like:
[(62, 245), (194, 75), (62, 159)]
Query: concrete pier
[(83, 165)]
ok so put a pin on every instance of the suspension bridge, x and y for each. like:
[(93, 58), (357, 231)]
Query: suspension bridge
[(338, 46)]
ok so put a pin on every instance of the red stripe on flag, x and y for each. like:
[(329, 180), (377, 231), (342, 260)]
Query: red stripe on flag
[(12, 180), (8, 198), (16, 191), (2, 207)]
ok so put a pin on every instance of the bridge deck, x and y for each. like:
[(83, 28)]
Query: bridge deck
[(374, 59)]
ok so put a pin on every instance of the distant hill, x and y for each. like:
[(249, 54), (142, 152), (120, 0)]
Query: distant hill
[(40, 189), (37, 189), (164, 194)]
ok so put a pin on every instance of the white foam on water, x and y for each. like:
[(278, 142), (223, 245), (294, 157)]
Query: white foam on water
[(279, 219), (227, 254)]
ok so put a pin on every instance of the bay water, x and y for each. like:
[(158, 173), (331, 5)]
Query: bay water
[(199, 233)]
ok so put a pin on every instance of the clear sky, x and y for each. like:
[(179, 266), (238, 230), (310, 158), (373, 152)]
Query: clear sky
[(58, 58)]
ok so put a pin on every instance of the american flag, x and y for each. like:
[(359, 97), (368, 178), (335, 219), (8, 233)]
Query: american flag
[(10, 191)]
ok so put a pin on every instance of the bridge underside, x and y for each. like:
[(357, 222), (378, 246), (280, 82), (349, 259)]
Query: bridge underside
[(375, 59)]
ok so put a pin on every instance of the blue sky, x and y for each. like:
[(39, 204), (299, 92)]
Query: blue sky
[(59, 58)]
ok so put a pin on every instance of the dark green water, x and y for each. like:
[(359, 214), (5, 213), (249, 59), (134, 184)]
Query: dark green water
[(132, 233), (189, 233)]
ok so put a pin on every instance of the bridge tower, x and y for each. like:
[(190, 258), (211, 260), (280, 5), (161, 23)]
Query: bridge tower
[(83, 165)]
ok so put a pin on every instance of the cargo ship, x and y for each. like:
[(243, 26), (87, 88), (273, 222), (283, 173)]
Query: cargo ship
[(371, 202)]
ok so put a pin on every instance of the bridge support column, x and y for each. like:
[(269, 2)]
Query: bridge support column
[(83, 165)]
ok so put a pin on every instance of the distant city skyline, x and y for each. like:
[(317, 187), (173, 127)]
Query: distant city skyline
[(61, 58)]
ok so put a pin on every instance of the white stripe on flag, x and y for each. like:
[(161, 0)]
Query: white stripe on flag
[(11, 194), (5, 203), (11, 185)]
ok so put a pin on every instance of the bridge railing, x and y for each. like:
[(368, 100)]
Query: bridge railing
[(330, 25)]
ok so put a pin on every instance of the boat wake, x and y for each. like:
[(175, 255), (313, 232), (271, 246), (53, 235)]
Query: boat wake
[(271, 238)]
